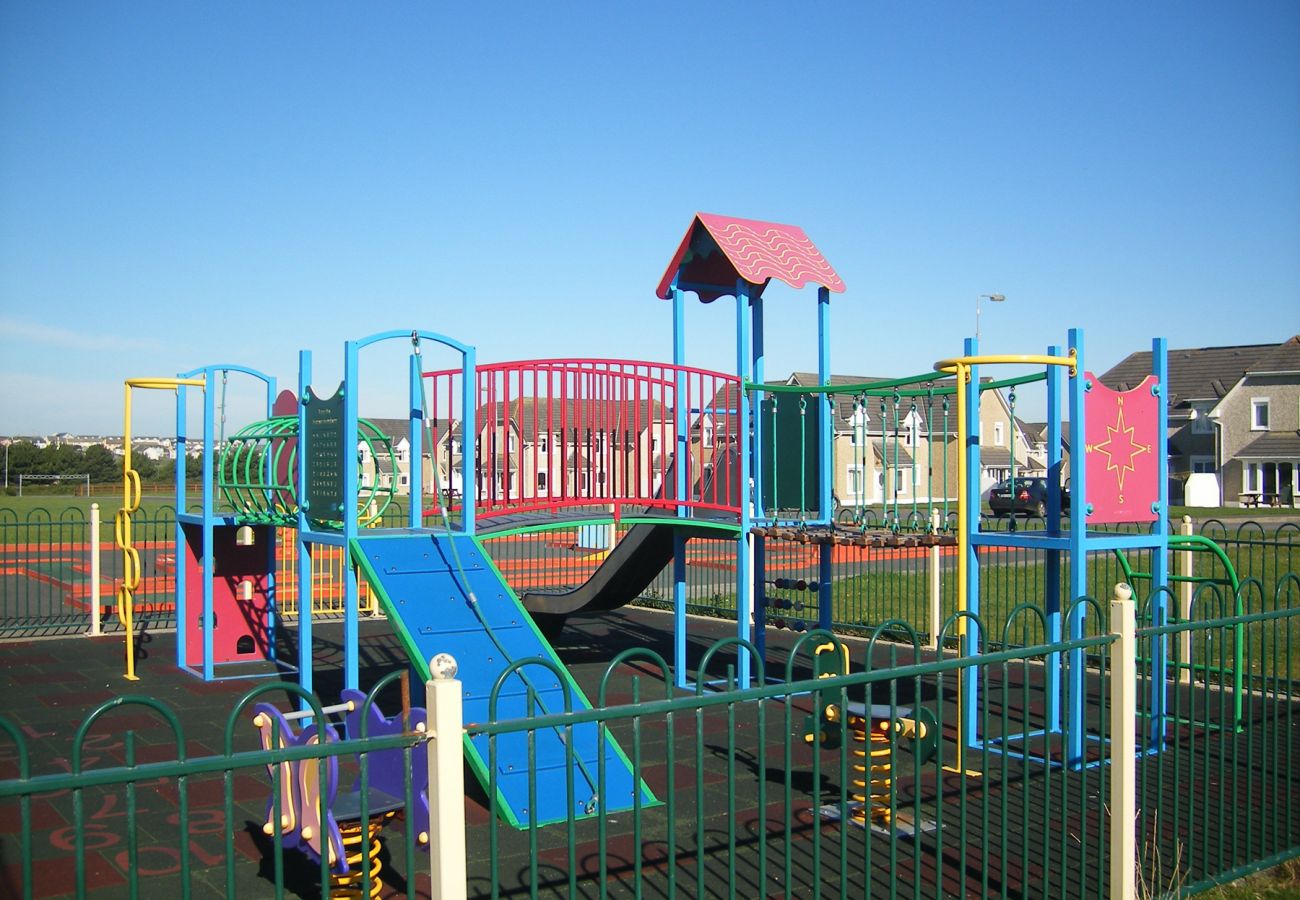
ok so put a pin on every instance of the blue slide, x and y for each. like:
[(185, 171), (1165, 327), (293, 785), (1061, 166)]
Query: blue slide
[(442, 594)]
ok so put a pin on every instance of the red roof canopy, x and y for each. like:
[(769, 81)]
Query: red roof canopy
[(719, 249)]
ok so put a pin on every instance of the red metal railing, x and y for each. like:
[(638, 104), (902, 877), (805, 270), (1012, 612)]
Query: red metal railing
[(599, 433)]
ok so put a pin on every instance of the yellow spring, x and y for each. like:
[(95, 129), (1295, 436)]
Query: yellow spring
[(872, 780), (360, 847)]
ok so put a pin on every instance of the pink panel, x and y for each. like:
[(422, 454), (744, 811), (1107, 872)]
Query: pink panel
[(758, 251), (1122, 443), (240, 630)]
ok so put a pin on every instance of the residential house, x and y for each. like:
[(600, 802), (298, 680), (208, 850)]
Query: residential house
[(1258, 424), (396, 471), (560, 449), (1036, 446), (1232, 412)]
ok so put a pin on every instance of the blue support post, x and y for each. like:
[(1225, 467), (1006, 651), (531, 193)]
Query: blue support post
[(1160, 552), (744, 556), (305, 672), (469, 438), (1052, 560), (348, 513), (681, 462), (1075, 723), (273, 580), (681, 434), (759, 373), (970, 637), (208, 618), (415, 430), (178, 530), (825, 455)]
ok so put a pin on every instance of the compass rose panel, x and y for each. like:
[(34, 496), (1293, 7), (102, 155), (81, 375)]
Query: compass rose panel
[(1121, 452)]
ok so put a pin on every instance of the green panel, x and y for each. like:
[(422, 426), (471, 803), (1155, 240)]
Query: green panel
[(789, 458), (325, 455)]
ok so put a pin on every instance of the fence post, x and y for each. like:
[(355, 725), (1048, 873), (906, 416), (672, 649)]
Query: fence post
[(1186, 568), (936, 611), (94, 570), (446, 755), (1123, 746)]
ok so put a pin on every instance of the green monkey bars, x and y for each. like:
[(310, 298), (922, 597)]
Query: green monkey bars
[(258, 468)]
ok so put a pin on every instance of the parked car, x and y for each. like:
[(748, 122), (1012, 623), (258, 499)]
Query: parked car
[(1030, 497)]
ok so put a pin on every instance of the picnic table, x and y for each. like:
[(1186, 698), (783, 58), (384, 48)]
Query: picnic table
[(1256, 499)]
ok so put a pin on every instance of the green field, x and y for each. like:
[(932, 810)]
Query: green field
[(56, 505)]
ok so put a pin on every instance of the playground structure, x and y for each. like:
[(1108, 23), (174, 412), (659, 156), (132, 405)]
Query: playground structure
[(674, 452)]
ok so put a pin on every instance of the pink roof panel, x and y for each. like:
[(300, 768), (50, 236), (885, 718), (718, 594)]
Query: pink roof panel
[(752, 250)]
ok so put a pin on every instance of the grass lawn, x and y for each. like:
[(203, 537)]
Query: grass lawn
[(1280, 882), (54, 506)]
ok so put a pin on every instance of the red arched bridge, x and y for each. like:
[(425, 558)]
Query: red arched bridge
[(555, 434)]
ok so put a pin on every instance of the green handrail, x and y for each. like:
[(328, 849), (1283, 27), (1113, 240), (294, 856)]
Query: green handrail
[(1201, 543)]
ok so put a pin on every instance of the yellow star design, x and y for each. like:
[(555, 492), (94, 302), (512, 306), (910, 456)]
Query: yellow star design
[(1120, 448)]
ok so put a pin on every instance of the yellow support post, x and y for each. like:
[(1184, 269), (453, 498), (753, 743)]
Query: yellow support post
[(960, 367), (130, 505)]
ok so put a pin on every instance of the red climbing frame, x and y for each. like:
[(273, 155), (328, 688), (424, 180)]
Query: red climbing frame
[(599, 433)]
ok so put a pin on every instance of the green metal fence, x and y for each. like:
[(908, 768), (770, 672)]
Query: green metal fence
[(750, 807), (811, 783), (1219, 788), (145, 817), (50, 562)]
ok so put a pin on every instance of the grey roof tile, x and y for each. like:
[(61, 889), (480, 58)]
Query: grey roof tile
[(1202, 373)]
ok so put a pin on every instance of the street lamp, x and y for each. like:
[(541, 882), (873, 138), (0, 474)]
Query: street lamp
[(992, 298)]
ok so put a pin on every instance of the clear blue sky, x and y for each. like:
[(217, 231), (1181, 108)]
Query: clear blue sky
[(185, 184)]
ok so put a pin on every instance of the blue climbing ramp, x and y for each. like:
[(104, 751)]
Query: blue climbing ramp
[(442, 594)]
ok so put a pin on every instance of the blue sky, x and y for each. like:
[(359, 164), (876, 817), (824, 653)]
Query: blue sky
[(187, 184)]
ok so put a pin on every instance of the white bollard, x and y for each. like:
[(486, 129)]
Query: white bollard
[(1123, 745), (447, 869), (936, 610), (94, 570)]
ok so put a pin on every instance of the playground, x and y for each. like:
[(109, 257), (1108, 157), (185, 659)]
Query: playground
[(366, 660)]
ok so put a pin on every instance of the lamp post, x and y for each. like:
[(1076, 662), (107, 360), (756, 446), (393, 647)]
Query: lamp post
[(992, 298)]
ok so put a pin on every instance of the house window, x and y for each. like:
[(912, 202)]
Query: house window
[(1201, 423), (857, 487), (1203, 465), (543, 445), (899, 478), (1259, 414), (654, 444), (706, 435), (1252, 477), (404, 480), (997, 434), (541, 481)]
